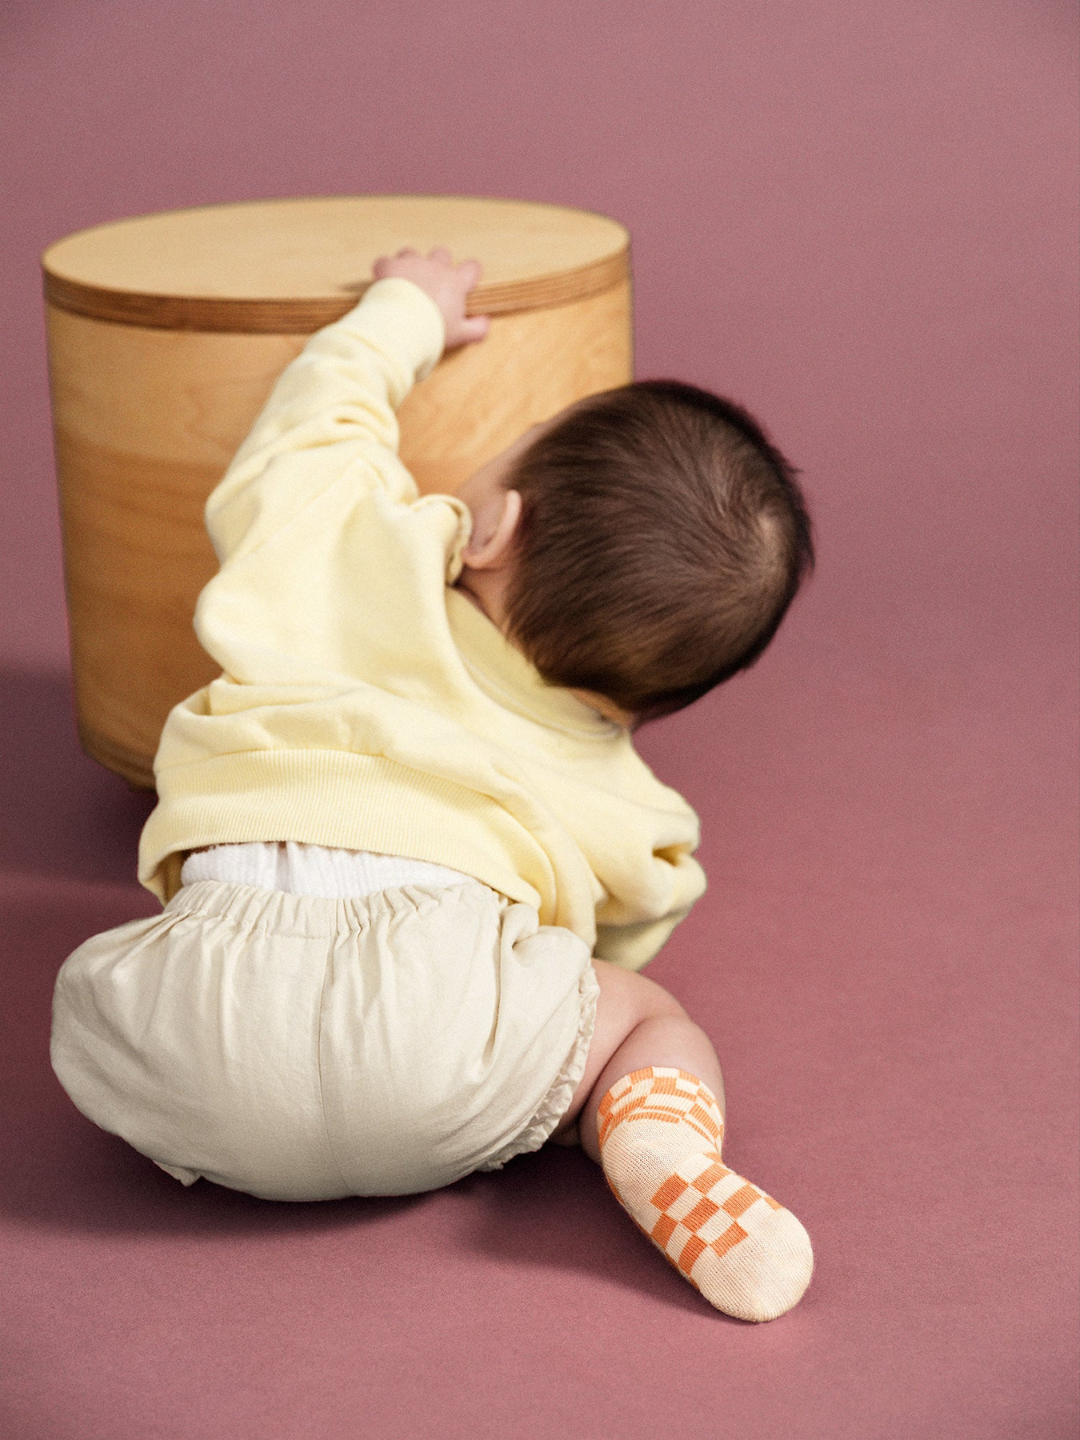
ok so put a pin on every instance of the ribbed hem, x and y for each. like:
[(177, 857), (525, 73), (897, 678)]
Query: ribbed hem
[(341, 799)]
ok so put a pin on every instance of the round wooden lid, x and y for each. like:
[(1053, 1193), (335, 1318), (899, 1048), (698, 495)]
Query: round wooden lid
[(292, 266)]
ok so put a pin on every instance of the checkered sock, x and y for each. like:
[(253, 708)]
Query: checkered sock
[(660, 1136)]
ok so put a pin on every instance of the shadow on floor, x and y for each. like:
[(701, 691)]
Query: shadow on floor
[(61, 813), (553, 1210)]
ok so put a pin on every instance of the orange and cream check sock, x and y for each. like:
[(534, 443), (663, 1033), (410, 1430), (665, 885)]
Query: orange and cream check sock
[(660, 1135)]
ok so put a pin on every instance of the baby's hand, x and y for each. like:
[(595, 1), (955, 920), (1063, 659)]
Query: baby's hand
[(446, 283)]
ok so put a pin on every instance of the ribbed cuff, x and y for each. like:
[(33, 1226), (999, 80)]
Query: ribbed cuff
[(400, 318)]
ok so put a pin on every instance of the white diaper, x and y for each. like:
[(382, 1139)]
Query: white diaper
[(313, 870)]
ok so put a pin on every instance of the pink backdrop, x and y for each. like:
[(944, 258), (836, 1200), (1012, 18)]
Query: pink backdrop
[(858, 220)]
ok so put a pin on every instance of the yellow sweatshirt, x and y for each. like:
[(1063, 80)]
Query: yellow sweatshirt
[(365, 703)]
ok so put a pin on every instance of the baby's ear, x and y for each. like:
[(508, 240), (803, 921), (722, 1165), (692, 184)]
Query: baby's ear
[(495, 525)]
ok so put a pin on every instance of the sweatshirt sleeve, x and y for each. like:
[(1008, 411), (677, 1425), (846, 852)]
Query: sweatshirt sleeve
[(332, 408), (664, 893)]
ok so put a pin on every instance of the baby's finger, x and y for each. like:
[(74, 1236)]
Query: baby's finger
[(474, 328), (469, 270), (442, 255), (379, 266)]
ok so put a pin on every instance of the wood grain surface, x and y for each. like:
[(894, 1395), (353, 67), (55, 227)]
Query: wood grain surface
[(292, 266)]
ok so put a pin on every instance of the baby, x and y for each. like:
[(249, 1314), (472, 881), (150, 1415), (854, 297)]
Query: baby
[(410, 860)]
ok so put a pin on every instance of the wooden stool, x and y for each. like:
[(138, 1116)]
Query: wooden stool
[(166, 334)]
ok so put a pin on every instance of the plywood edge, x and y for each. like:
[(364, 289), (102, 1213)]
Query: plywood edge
[(304, 316)]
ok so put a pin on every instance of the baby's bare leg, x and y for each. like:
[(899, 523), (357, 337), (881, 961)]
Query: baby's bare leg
[(649, 1109), (637, 1024)]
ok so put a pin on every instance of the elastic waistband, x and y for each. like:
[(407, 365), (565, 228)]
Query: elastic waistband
[(310, 916)]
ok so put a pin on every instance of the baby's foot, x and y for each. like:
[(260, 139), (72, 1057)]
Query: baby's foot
[(660, 1136)]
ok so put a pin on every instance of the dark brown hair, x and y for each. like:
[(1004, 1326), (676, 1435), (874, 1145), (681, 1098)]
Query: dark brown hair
[(662, 539)]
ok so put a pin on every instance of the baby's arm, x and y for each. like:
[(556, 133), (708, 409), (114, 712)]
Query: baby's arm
[(334, 406)]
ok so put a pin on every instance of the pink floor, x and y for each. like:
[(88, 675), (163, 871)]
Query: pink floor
[(859, 220)]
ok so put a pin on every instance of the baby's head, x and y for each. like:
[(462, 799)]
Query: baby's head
[(658, 540)]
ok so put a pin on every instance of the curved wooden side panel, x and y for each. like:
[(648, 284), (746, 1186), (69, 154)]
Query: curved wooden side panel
[(135, 557), (532, 365), (147, 421)]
